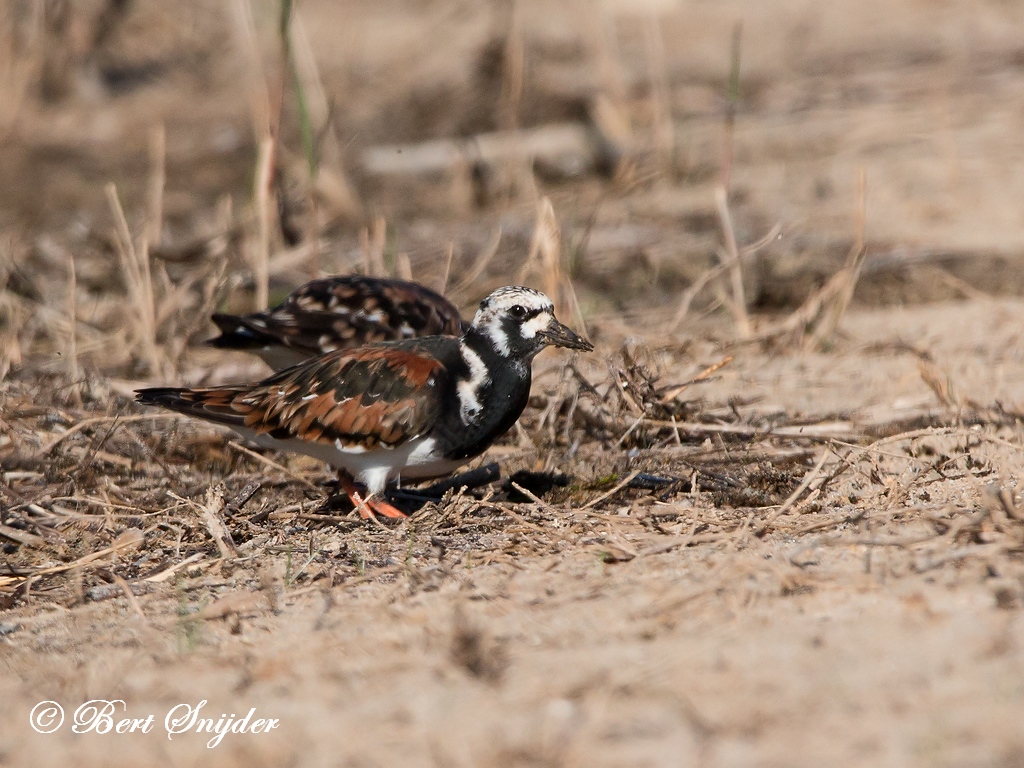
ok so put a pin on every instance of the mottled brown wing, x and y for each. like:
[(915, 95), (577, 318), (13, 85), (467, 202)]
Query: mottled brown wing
[(379, 395), (344, 312)]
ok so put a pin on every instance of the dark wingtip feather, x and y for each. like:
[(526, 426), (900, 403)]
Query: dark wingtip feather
[(226, 323), (235, 334), (166, 397)]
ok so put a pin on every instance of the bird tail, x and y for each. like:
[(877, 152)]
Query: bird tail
[(213, 403)]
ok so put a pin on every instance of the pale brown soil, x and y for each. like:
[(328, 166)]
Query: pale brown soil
[(826, 566)]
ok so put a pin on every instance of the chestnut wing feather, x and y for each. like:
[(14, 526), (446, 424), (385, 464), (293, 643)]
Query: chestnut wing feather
[(378, 395)]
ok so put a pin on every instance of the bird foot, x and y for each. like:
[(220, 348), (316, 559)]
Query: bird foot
[(368, 507)]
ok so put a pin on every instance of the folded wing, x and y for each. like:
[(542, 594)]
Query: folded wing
[(379, 395)]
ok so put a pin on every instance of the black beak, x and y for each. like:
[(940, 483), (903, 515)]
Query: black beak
[(563, 336)]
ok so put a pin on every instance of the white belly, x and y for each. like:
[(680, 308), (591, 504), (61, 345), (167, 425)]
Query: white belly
[(372, 467)]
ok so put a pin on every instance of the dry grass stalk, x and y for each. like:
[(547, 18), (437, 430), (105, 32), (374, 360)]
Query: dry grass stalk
[(738, 305), (130, 539), (479, 266), (507, 509), (273, 464), (816, 320), (168, 572), (823, 303), (732, 102), (290, 259), (157, 180), (609, 55), (90, 422), (967, 290), (825, 430), (212, 289), (265, 108), (210, 511), (516, 166), (715, 272), (244, 28), (611, 492), (264, 196), (674, 392), (513, 68), (850, 276), (236, 604), (403, 266), (331, 181), (22, 59), (608, 110), (13, 316), (1005, 498), (130, 596), (663, 129), (73, 370), (372, 242), (940, 383), (805, 484), (545, 255), (548, 242), (449, 257), (138, 277)]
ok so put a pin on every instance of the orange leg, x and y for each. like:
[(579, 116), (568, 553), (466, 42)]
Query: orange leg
[(368, 507)]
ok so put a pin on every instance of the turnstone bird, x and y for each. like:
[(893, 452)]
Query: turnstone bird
[(338, 313), (416, 408)]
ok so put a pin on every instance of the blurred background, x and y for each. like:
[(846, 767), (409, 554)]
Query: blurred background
[(777, 534), (164, 160)]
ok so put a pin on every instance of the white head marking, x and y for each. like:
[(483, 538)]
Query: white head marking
[(495, 311)]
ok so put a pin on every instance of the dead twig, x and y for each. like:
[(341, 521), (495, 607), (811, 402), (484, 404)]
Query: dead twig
[(79, 426), (809, 478), (210, 513), (133, 601), (686, 540), (608, 494), (673, 392), (133, 537), (166, 573), (271, 463), (22, 537)]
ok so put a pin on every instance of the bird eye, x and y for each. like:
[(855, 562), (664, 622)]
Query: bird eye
[(518, 311)]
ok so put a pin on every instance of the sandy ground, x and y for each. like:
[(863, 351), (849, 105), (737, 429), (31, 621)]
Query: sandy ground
[(827, 569)]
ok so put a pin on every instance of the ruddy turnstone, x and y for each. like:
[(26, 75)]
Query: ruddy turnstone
[(416, 408), (338, 313)]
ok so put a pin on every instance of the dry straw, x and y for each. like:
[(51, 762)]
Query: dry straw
[(135, 266), (545, 258)]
